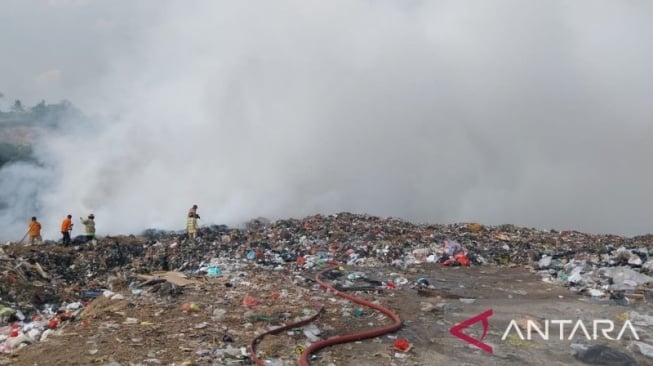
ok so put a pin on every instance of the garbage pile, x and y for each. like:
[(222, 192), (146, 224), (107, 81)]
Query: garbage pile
[(46, 287), (619, 274)]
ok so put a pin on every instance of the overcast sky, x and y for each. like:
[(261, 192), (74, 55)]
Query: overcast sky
[(535, 113)]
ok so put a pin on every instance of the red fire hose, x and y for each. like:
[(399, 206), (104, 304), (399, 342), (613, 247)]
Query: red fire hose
[(303, 360), (314, 347), (257, 340)]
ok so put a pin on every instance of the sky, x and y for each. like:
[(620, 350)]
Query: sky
[(530, 113)]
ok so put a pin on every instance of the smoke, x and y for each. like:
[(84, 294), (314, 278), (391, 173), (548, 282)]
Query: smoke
[(535, 114)]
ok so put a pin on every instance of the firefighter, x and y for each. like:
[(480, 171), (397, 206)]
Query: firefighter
[(193, 211), (191, 226), (34, 232), (66, 228), (89, 225)]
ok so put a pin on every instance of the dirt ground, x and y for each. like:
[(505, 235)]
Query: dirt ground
[(153, 329)]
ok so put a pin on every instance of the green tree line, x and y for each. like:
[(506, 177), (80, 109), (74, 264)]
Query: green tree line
[(41, 115)]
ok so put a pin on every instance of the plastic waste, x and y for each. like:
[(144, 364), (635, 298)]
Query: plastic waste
[(190, 307), (454, 254), (229, 350), (641, 320), (593, 292), (602, 355), (250, 301), (624, 278), (354, 276), (451, 247), (401, 281), (545, 262), (643, 348), (575, 277), (422, 281), (635, 260), (312, 332), (53, 323), (402, 345), (213, 271), (91, 294)]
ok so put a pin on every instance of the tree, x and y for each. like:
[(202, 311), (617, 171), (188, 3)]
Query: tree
[(17, 107), (39, 110)]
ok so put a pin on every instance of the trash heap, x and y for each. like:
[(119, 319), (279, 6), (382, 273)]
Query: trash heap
[(619, 274), (46, 288)]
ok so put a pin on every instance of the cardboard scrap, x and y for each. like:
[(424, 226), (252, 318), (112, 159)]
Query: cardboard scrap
[(176, 278)]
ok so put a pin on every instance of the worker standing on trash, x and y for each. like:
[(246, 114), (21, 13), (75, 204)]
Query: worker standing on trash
[(191, 225), (193, 211), (34, 232), (66, 228), (89, 225)]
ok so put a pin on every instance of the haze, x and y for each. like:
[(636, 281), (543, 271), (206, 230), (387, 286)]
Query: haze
[(521, 112)]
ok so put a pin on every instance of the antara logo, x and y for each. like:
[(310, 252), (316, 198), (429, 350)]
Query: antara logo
[(457, 330), (606, 328)]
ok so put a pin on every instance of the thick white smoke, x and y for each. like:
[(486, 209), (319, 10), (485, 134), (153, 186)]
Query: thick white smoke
[(535, 114)]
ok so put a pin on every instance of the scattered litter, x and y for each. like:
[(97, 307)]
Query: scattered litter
[(643, 348), (64, 290), (402, 345), (602, 355)]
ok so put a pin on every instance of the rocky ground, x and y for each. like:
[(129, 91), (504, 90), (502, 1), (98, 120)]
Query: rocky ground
[(158, 299)]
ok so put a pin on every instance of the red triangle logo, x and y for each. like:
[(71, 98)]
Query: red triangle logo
[(483, 317)]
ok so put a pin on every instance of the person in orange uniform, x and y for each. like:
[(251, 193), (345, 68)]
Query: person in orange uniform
[(66, 228), (34, 231)]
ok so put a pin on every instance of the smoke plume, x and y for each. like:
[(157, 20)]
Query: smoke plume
[(531, 113)]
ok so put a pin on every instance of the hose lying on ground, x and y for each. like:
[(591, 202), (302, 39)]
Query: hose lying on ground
[(372, 333), (314, 347), (252, 350)]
